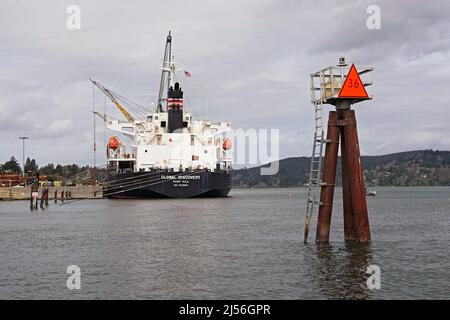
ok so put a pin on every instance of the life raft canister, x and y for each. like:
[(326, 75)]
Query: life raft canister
[(113, 143), (226, 144)]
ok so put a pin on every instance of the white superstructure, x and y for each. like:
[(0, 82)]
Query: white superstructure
[(200, 145)]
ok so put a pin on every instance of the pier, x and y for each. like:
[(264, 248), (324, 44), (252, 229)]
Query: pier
[(70, 192)]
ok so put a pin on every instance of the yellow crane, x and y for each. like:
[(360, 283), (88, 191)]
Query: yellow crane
[(111, 96)]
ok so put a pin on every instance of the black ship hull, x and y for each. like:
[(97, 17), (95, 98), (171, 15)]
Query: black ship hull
[(167, 184)]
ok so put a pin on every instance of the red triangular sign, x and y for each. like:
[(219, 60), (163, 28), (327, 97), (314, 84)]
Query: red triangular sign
[(353, 86)]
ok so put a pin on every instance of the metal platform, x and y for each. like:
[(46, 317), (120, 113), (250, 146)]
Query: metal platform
[(327, 83)]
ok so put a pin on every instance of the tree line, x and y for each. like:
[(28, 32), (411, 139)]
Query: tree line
[(411, 168), (53, 172)]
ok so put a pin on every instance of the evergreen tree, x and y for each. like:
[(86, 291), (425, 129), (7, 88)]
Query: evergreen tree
[(12, 166), (31, 166)]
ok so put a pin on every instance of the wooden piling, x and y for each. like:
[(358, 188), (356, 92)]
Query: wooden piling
[(342, 123), (37, 189), (42, 199), (46, 196), (349, 224), (328, 180), (356, 178), (31, 199)]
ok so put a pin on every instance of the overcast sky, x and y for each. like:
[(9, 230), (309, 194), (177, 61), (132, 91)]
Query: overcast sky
[(250, 63)]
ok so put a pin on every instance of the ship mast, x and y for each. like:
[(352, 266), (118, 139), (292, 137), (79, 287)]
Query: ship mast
[(168, 70)]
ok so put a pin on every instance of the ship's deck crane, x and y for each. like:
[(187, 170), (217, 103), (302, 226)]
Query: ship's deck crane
[(111, 96), (127, 129)]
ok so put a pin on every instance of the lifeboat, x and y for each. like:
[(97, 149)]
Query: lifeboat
[(113, 143), (226, 144)]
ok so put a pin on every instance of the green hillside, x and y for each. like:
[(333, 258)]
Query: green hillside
[(411, 168)]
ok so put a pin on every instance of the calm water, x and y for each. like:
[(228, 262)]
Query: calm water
[(246, 246)]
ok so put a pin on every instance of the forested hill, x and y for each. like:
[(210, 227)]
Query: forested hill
[(411, 168)]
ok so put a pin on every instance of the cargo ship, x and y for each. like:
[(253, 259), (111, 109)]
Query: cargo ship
[(169, 154)]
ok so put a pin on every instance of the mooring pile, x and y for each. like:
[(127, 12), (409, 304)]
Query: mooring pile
[(342, 87)]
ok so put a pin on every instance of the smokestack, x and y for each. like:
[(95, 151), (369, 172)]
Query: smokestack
[(175, 108)]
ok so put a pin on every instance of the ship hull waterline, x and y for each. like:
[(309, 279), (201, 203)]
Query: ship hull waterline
[(167, 184)]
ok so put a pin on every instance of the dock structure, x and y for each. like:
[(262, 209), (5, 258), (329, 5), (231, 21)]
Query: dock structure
[(340, 86), (73, 192)]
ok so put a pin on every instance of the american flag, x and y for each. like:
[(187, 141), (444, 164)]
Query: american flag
[(187, 74)]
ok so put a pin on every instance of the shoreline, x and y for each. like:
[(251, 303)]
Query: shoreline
[(77, 192), (95, 192)]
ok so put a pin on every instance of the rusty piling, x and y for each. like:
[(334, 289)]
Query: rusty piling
[(349, 224), (342, 124), (356, 178), (46, 196), (328, 181), (31, 199)]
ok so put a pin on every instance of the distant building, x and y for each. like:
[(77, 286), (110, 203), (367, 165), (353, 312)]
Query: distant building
[(14, 179), (57, 183), (43, 183)]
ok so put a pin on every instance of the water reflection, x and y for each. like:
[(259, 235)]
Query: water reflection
[(340, 271)]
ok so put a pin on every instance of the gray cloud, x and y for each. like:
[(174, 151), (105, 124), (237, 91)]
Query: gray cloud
[(250, 62)]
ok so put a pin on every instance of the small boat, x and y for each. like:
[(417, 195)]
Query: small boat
[(372, 193)]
